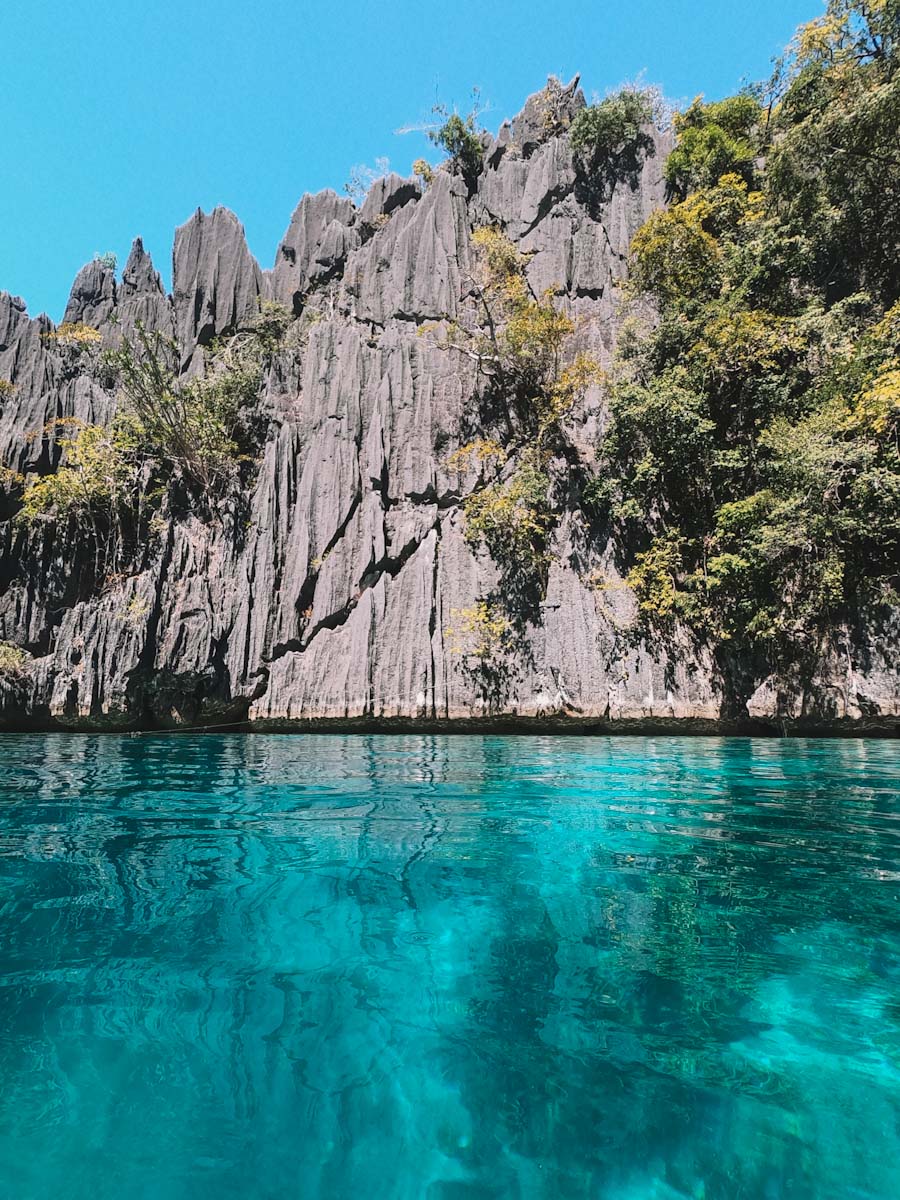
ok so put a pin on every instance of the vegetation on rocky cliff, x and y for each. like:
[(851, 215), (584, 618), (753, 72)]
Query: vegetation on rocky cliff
[(709, 524), (752, 463), (518, 341), (166, 434)]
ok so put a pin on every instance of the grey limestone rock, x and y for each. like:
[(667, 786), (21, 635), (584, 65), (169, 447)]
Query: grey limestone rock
[(319, 238), (216, 282), (141, 295), (339, 587), (93, 295), (545, 114), (387, 194), (413, 267)]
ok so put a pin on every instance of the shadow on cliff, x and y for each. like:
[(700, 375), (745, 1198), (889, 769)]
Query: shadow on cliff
[(595, 184)]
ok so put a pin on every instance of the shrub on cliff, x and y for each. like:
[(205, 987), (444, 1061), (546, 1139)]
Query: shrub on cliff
[(481, 631), (188, 426), (96, 491), (834, 168), (613, 129), (522, 344), (199, 432), (519, 340), (204, 427), (13, 660), (363, 177), (459, 137), (75, 335), (512, 517)]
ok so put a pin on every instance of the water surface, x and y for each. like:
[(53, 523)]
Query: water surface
[(429, 968)]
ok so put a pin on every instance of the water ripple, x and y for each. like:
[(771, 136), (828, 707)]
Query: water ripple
[(448, 967)]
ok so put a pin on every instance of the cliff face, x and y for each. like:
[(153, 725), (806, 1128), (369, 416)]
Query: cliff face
[(330, 591)]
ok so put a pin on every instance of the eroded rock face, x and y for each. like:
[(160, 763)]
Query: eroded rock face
[(319, 238), (340, 589), (215, 279)]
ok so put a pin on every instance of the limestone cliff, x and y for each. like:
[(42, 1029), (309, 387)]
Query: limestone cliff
[(327, 593)]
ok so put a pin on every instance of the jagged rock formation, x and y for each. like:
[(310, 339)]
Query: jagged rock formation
[(328, 595)]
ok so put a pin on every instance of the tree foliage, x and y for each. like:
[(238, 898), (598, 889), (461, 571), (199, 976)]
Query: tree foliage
[(513, 516), (518, 341), (13, 662), (753, 451), (99, 489), (482, 630), (717, 139), (834, 168), (603, 132), (201, 427), (517, 338), (192, 435), (76, 335), (460, 138)]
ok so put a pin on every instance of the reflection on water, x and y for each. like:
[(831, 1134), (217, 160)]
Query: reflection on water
[(448, 968)]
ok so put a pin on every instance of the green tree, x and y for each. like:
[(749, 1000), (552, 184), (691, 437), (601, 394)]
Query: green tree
[(460, 138), (203, 428), (96, 491), (717, 139), (834, 168), (613, 130), (752, 450)]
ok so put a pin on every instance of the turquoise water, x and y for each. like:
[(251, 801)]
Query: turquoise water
[(448, 968)]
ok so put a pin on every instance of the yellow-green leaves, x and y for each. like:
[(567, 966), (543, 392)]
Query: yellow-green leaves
[(75, 334), (759, 416), (13, 661), (654, 577), (674, 256), (477, 453), (481, 630), (525, 336), (741, 342), (98, 470), (513, 516), (878, 406), (714, 140), (602, 131)]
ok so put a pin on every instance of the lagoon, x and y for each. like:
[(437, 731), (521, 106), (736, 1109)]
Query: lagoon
[(448, 967)]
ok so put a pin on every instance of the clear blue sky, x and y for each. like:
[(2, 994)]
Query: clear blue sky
[(120, 118)]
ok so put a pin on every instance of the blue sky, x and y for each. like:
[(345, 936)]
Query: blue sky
[(120, 118)]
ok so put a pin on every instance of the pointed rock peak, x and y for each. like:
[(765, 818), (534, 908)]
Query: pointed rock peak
[(320, 208), (317, 241), (223, 215), (215, 278), (8, 300), (202, 237), (546, 114), (13, 316), (387, 194), (93, 292), (139, 275), (219, 225)]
